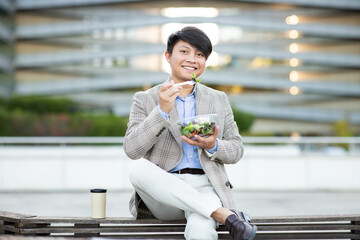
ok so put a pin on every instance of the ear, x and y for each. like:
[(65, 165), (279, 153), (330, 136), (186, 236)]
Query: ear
[(167, 56)]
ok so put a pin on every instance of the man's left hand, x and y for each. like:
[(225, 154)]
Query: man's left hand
[(203, 142)]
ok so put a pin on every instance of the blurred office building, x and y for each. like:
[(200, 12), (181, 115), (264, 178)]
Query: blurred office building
[(294, 65)]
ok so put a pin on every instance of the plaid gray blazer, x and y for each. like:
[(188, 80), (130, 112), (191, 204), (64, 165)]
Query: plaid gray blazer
[(148, 133)]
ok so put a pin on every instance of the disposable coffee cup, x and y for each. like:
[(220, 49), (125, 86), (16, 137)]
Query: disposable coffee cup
[(98, 203)]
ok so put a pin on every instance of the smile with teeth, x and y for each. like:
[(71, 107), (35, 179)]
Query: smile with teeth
[(189, 68)]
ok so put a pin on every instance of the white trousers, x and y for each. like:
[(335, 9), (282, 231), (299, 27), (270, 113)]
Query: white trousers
[(171, 196)]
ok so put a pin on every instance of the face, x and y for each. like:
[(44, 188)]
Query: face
[(184, 61)]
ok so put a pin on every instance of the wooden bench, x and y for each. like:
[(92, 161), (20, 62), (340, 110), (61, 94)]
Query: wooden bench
[(284, 227)]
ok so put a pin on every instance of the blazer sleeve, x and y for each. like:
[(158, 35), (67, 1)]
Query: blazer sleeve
[(230, 148), (144, 127)]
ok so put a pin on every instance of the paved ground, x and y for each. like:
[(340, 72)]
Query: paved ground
[(255, 203)]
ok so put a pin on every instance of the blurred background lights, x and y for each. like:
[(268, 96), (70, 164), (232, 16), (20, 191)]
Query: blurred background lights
[(294, 48), (292, 20), (211, 29), (295, 135), (213, 60), (293, 34), (294, 62), (190, 12), (294, 76), (294, 90)]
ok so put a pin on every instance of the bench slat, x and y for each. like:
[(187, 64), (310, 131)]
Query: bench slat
[(124, 229), (126, 236), (167, 228), (325, 235), (260, 235), (124, 220), (9, 228), (13, 217), (307, 227), (269, 227), (110, 220), (306, 218)]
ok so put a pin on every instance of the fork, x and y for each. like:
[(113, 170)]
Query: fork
[(186, 83)]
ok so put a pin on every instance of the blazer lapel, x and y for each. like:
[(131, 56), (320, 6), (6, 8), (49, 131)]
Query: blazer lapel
[(174, 119), (202, 101)]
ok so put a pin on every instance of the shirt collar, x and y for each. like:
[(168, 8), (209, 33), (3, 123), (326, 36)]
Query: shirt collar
[(194, 90), (192, 94)]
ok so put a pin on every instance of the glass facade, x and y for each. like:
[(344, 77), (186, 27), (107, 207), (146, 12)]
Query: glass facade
[(7, 41), (294, 66)]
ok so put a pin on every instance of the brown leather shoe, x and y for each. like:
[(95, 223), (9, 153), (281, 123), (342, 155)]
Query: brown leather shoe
[(240, 230)]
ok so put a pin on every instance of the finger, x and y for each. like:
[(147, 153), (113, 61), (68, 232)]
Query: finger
[(200, 139), (189, 141), (216, 131), (204, 141), (173, 91), (167, 85)]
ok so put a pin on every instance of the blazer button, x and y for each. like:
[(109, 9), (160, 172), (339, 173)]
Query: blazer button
[(228, 184)]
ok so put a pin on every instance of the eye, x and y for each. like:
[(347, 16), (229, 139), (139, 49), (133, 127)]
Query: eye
[(183, 51), (200, 55)]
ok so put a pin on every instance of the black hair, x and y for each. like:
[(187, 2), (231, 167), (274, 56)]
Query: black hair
[(194, 37)]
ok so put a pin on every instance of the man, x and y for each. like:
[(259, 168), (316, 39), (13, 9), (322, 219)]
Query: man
[(178, 177)]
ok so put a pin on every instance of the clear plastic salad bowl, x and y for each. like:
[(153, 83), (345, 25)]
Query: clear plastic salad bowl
[(202, 125)]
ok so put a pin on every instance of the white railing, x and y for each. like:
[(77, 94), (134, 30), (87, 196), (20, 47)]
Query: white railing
[(120, 140), (306, 143)]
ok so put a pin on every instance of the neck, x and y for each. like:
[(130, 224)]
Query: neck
[(186, 90)]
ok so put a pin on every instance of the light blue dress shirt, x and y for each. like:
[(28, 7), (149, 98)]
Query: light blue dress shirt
[(187, 108)]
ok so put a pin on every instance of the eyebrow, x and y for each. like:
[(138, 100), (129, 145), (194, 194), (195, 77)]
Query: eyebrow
[(183, 46), (196, 50)]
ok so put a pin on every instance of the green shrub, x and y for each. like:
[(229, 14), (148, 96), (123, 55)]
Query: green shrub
[(5, 120), (24, 123), (46, 116), (2, 102), (344, 129), (243, 120), (41, 104), (105, 125)]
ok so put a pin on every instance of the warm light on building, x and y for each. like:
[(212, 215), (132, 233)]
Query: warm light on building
[(294, 62), (294, 90), (295, 136), (260, 62), (292, 20), (190, 12), (294, 76), (293, 34), (236, 89), (211, 29), (294, 48), (213, 60)]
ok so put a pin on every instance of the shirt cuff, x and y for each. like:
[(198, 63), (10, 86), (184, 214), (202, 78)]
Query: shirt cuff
[(164, 115), (210, 152)]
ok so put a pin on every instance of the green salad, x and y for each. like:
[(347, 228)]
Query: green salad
[(194, 78), (192, 128)]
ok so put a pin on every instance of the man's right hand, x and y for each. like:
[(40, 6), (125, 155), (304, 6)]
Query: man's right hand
[(167, 95)]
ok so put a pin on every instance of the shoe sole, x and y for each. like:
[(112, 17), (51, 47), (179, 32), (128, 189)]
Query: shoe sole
[(253, 233)]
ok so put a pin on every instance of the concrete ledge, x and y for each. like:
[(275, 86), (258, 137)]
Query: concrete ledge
[(63, 168)]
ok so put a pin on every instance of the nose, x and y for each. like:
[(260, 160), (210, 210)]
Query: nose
[(191, 58)]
